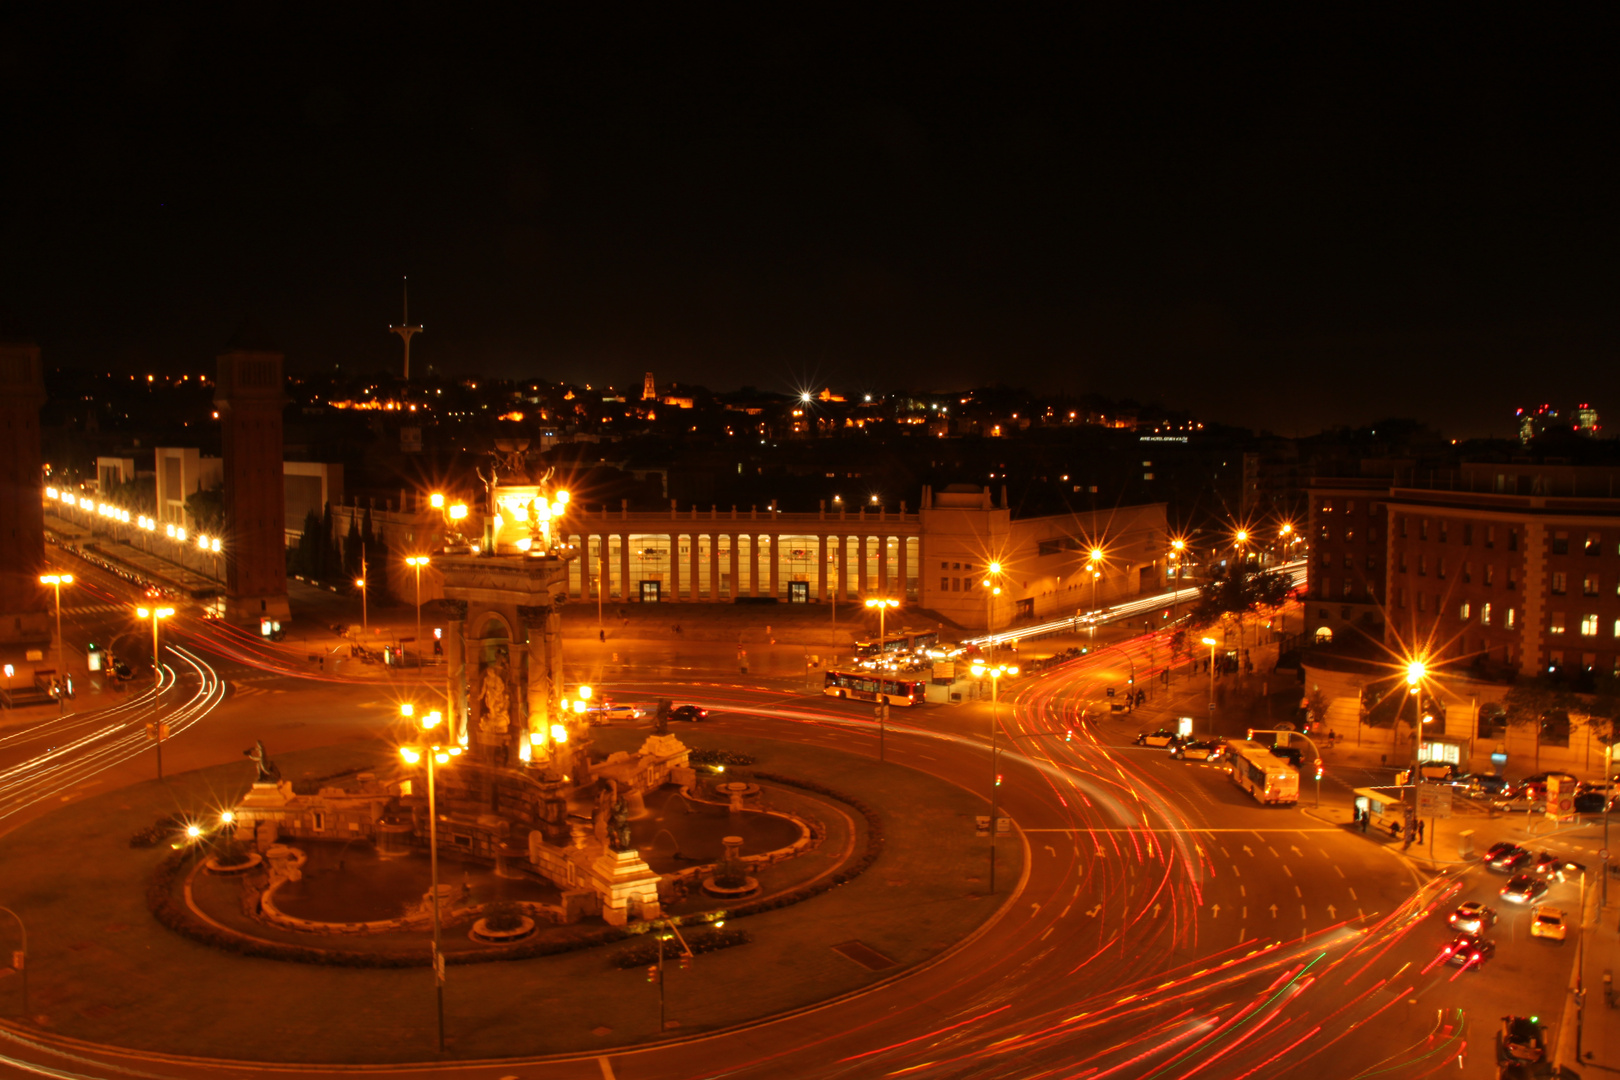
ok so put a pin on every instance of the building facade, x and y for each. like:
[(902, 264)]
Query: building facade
[(1513, 568), (936, 558)]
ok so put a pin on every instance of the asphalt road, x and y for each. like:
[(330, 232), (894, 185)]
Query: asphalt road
[(1166, 925)]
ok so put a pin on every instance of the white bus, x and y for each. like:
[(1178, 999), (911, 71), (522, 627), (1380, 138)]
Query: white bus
[(1269, 778)]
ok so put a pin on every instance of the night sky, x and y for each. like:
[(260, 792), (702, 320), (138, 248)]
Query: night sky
[(1279, 224)]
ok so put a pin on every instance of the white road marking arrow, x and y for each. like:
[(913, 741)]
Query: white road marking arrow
[(1034, 909), (1333, 912), (1156, 908), (1052, 849), (1273, 911), (1247, 850), (1215, 911), (1093, 911)]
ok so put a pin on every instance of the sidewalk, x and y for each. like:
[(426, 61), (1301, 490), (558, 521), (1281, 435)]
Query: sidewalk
[(1598, 969)]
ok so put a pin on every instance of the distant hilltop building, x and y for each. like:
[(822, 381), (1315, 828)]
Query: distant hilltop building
[(1536, 422), (1586, 420), (649, 388)]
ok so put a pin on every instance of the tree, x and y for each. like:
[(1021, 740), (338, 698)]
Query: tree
[(351, 549), (1240, 592), (206, 509), (1540, 704)]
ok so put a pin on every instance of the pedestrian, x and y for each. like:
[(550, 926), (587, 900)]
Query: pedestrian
[(601, 635), (1365, 814), (1395, 830), (1419, 836)]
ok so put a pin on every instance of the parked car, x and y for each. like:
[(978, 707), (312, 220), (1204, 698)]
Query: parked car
[(1198, 750), (1479, 783), (1523, 888), (1589, 802), (689, 713), (1548, 922), (1473, 917), (1160, 737)]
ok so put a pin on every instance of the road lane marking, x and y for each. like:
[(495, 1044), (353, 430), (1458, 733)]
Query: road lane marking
[(1273, 851), (1243, 890), (1353, 895), (1337, 868), (1287, 871), (1302, 911), (1298, 893), (1235, 872), (607, 1070)]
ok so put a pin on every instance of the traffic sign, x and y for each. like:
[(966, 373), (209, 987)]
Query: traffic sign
[(1434, 802)]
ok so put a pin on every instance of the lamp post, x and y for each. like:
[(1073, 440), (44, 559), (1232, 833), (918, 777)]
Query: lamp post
[(883, 605), (1415, 672), (156, 727), (365, 621), (435, 755), (995, 673), (21, 958), (416, 562), (56, 581), (1211, 643)]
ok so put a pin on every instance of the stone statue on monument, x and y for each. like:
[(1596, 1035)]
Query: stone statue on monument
[(493, 692), (268, 773)]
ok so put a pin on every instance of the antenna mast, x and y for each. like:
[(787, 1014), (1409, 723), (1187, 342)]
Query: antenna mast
[(406, 331)]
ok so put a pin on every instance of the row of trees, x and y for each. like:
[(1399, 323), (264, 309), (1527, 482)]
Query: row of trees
[(320, 556)]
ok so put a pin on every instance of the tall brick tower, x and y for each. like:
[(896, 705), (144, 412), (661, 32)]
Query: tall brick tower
[(23, 605), (249, 397)]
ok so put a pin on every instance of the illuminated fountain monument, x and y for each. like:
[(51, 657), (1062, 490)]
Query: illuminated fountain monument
[(528, 782)]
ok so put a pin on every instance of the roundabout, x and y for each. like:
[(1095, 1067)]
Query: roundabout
[(263, 978)]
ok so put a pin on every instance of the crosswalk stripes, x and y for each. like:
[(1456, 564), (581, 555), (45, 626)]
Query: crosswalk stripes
[(248, 691), (94, 609)]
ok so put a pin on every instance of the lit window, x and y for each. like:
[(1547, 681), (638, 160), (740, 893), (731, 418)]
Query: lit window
[(1589, 625), (1485, 614), (1555, 623), (1511, 618), (1462, 612)]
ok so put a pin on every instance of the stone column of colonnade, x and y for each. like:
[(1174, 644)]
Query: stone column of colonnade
[(900, 567), (776, 562), (675, 566), (735, 557), (694, 582), (714, 567)]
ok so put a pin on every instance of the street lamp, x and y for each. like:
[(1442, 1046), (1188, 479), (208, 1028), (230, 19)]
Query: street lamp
[(1211, 643), (156, 727), (995, 673), (435, 755), (365, 621), (56, 581), (883, 604), (416, 562), (1416, 670)]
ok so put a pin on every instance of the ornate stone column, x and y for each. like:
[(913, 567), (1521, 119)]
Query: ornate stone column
[(455, 669), (736, 578), (675, 566), (776, 563)]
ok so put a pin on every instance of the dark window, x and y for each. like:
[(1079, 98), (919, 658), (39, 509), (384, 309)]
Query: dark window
[(1593, 544), (1559, 583), (1513, 540), (1403, 526), (1589, 586), (1440, 567), (1560, 543), (1372, 562), (1445, 529), (1490, 574), (1468, 535), (1423, 529), (1490, 536)]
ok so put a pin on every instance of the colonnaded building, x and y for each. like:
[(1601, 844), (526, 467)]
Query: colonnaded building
[(936, 557)]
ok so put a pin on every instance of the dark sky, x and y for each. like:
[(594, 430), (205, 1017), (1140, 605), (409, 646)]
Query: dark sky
[(1278, 223)]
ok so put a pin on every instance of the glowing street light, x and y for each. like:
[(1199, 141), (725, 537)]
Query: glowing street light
[(416, 562), (56, 581), (994, 672), (435, 755), (1211, 643), (882, 604), (156, 614)]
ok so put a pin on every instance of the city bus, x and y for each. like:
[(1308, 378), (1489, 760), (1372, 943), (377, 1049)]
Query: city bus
[(1269, 778), (864, 686)]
